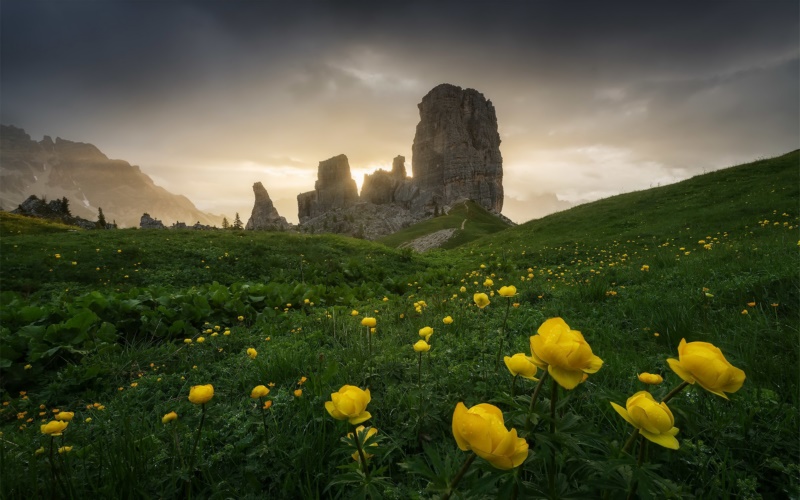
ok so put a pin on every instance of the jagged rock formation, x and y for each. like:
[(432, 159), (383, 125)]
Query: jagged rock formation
[(86, 176), (55, 210), (335, 188), (147, 222), (265, 215), (456, 151), (381, 187)]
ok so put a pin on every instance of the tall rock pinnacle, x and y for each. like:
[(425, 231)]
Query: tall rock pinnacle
[(456, 151), (265, 215)]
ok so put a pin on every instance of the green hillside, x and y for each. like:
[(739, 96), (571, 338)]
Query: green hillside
[(470, 220), (116, 326)]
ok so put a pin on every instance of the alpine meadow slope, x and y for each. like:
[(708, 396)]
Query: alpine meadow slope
[(113, 329)]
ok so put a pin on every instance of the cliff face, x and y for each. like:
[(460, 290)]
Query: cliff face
[(88, 178), (265, 216), (456, 150), (335, 188), (380, 186)]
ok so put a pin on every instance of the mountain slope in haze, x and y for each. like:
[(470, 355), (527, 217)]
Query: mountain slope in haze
[(88, 178)]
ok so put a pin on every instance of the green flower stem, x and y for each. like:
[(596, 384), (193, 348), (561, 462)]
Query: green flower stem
[(630, 441), (639, 461), (459, 475), (197, 438), (264, 420), (361, 452), (553, 401), (502, 336), (514, 385), (674, 392), (419, 380), (534, 397)]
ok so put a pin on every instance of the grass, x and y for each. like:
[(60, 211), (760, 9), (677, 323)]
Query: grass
[(714, 259), (470, 220)]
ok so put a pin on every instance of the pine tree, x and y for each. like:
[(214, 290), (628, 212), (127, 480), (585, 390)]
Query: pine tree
[(101, 219), (225, 223), (65, 206), (237, 222)]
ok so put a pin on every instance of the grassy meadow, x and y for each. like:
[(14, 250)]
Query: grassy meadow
[(117, 326)]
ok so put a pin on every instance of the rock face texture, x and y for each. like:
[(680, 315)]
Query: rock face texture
[(88, 178), (147, 222), (380, 187), (54, 210), (335, 188), (456, 151), (265, 216), (362, 220)]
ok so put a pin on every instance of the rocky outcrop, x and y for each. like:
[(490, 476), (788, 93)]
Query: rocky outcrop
[(334, 189), (456, 150), (380, 186), (54, 210), (82, 173), (147, 222), (362, 220), (265, 216)]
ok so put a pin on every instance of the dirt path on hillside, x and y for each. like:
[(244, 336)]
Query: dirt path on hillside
[(429, 241)]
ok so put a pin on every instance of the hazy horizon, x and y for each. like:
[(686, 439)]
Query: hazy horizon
[(592, 100)]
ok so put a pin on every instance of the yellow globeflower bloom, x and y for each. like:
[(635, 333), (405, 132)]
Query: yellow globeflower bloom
[(654, 420), (564, 353), (650, 378), (447, 320), (370, 432), (488, 282), (462, 289), (422, 346), (522, 365), (169, 417), (354, 313), (705, 364), (201, 394), (66, 416), (507, 291), (370, 322), (259, 391), (298, 393), (481, 300), (54, 427), (426, 332), (65, 449), (252, 353), (483, 430), (349, 403)]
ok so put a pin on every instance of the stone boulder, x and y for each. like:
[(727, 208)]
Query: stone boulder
[(456, 150), (380, 186), (265, 216), (147, 222), (335, 188)]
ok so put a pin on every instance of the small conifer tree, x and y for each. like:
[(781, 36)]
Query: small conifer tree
[(101, 219), (225, 223), (65, 206), (237, 222)]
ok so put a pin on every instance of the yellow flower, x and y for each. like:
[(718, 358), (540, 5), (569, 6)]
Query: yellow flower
[(751, 304), (507, 291), (645, 267), (39, 451), (650, 378), (200, 340), (28, 367), (54, 427), (522, 365), (169, 417), (483, 430), (563, 352), (252, 353), (240, 318), (370, 432), (370, 322), (350, 403), (447, 320), (462, 289), (488, 282), (302, 380), (422, 346), (187, 341), (201, 394), (259, 391), (58, 256), (353, 313), (481, 300), (267, 405), (298, 393), (88, 420), (654, 420), (426, 332), (705, 364), (64, 449), (65, 416)]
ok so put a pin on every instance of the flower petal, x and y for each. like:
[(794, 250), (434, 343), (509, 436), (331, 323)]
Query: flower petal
[(567, 379), (666, 440), (680, 371), (361, 417), (623, 413)]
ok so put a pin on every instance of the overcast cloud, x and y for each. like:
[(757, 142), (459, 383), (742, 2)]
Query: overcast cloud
[(592, 98)]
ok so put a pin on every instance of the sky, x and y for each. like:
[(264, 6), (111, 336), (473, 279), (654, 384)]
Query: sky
[(592, 98)]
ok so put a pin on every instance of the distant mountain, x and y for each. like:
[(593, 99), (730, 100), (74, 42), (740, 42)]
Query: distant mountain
[(88, 178)]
